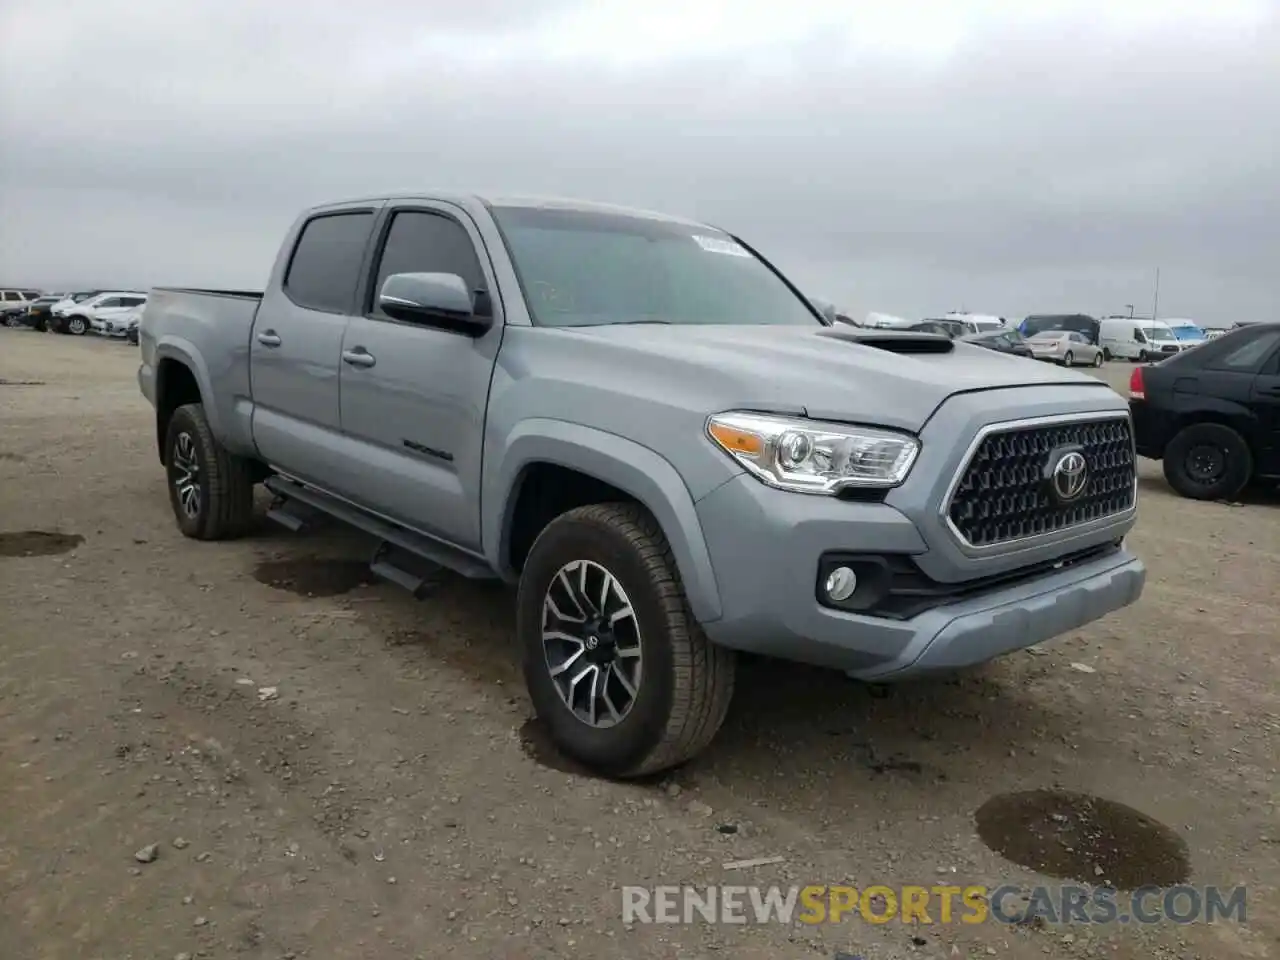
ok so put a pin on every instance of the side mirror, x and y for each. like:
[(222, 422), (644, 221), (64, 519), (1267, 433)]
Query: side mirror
[(436, 299)]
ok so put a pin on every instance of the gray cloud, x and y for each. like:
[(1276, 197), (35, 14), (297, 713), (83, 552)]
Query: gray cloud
[(1041, 165)]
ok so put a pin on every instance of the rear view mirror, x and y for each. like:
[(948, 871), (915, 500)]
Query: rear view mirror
[(435, 299)]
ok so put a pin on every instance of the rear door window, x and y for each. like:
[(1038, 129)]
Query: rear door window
[(1248, 357), (326, 262)]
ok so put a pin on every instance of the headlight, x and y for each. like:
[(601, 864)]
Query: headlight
[(811, 457)]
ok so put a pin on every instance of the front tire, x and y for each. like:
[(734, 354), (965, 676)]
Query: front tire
[(77, 326), (1106, 354), (1208, 461), (210, 490), (599, 590)]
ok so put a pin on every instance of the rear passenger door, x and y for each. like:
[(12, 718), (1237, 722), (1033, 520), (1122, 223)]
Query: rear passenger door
[(296, 344), (1266, 404), (414, 396)]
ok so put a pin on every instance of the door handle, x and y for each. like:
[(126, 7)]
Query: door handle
[(359, 357), (269, 338)]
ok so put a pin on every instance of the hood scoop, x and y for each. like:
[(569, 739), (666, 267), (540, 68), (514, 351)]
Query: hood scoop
[(894, 341)]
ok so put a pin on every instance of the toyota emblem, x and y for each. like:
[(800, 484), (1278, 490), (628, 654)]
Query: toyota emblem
[(1070, 476)]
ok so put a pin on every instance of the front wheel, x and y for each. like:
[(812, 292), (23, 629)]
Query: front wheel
[(78, 326), (210, 490), (617, 667), (1208, 461), (1106, 354)]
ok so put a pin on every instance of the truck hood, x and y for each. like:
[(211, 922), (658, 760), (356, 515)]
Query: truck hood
[(827, 373)]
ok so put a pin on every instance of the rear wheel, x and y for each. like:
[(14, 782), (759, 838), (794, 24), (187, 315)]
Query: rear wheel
[(1068, 359), (616, 665), (1097, 359), (1208, 461), (210, 490)]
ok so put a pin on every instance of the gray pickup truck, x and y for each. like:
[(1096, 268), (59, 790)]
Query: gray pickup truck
[(641, 423)]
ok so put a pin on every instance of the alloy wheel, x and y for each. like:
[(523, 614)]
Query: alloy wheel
[(591, 641), (185, 473)]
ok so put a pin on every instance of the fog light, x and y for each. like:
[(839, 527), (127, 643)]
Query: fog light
[(841, 583)]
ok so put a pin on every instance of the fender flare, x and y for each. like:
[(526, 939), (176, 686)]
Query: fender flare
[(176, 348), (632, 468)]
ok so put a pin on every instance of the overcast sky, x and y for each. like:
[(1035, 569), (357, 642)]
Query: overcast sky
[(905, 157)]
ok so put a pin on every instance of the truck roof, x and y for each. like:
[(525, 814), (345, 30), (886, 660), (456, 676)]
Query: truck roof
[(463, 198)]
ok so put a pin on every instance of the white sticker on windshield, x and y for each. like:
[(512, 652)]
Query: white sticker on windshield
[(720, 245)]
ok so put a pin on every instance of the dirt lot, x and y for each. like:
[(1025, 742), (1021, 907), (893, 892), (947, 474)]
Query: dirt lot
[(392, 800)]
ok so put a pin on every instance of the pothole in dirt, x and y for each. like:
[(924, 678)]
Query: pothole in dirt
[(314, 576), (1075, 836), (37, 543), (536, 743)]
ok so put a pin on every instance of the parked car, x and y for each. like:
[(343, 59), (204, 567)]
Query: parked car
[(38, 312), (114, 323), (14, 303), (97, 312), (1187, 332), (941, 327), (131, 321), (1212, 414), (1065, 347), (1001, 341), (1078, 322), (977, 323), (69, 300), (520, 390)]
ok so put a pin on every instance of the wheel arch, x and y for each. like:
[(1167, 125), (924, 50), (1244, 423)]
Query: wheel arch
[(577, 462), (180, 379)]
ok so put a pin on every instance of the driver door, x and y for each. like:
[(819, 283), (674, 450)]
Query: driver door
[(414, 396)]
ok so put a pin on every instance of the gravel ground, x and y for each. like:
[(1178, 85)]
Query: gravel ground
[(330, 769)]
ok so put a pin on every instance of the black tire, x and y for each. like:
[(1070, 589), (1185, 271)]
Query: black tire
[(1068, 359), (1106, 354), (1207, 461), (224, 481), (1142, 357), (76, 326), (686, 682), (12, 321), (1098, 358)]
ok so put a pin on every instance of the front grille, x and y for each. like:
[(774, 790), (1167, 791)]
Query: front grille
[(1003, 494)]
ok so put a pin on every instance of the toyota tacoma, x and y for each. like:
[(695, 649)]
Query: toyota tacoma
[(649, 431)]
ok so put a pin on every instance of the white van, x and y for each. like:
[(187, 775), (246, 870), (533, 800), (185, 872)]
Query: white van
[(978, 322), (1125, 338)]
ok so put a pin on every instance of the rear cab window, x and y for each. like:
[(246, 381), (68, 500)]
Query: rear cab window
[(325, 264)]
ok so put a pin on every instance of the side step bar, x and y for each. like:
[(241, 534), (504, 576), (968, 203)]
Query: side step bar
[(296, 500)]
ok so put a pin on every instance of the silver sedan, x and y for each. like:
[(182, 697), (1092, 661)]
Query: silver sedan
[(1066, 347)]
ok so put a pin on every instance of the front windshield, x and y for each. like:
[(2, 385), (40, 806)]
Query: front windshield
[(1188, 332), (581, 268), (1158, 332)]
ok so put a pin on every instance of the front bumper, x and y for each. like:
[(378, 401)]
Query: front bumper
[(765, 547)]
